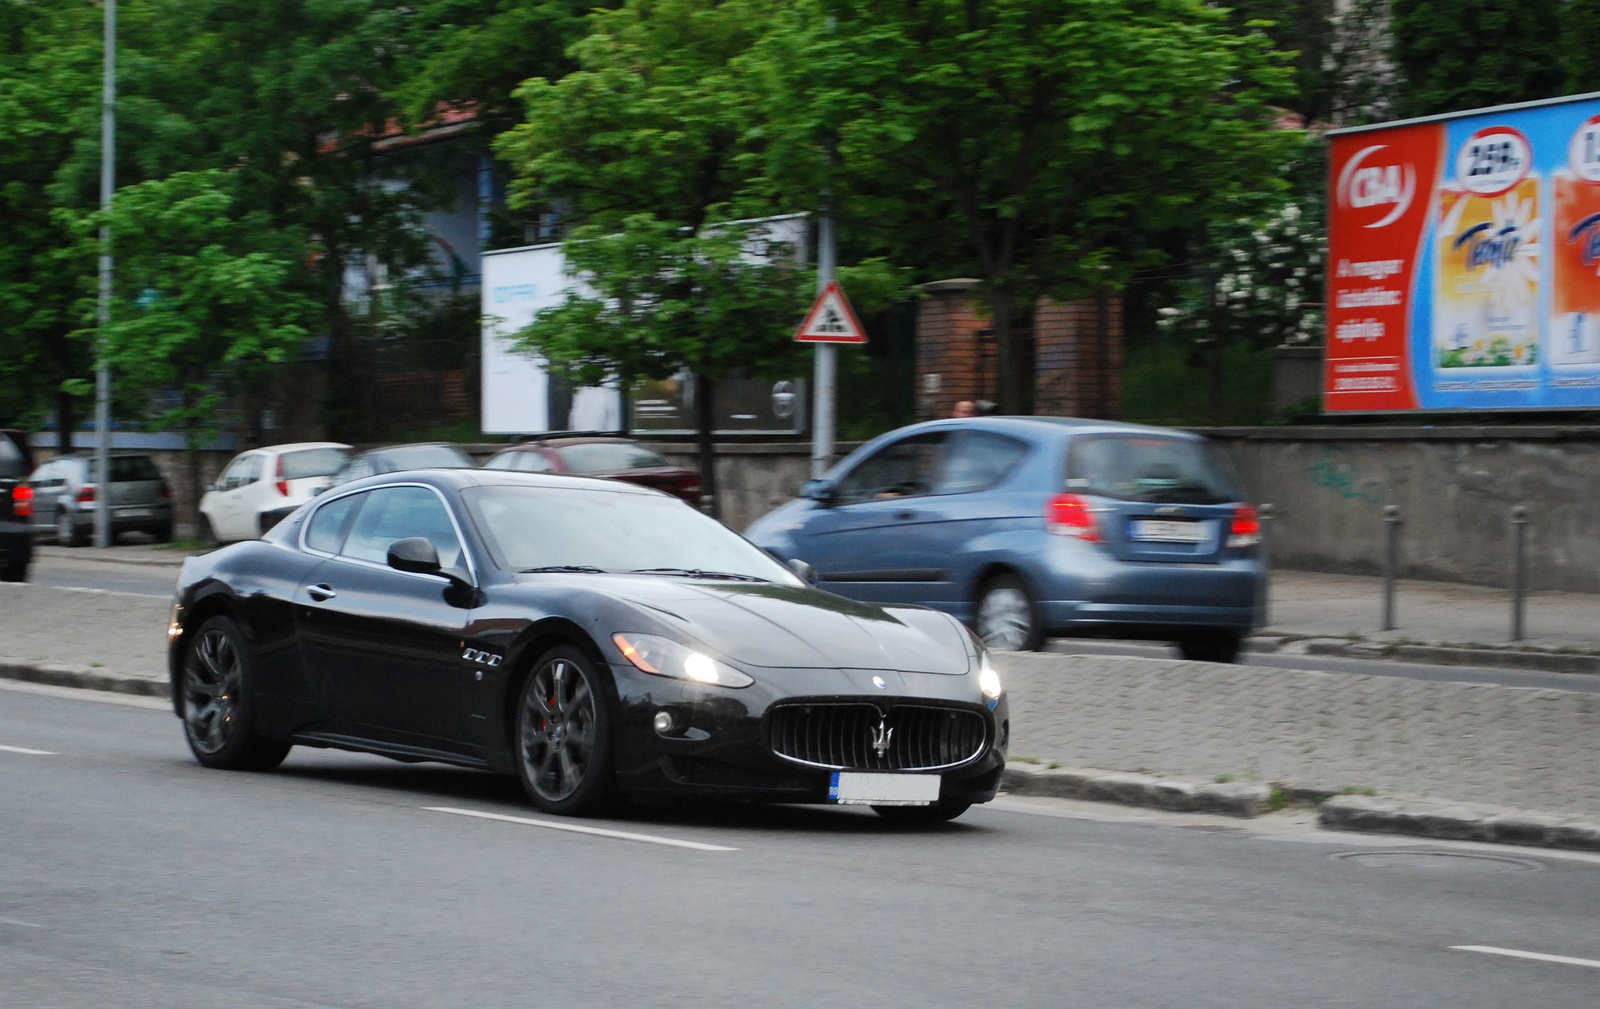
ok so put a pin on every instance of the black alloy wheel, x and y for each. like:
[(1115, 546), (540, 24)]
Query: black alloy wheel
[(563, 735), (1210, 646), (218, 709), (1007, 620), (939, 812)]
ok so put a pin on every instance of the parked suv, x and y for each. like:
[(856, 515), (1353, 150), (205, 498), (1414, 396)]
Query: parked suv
[(1025, 527), (16, 509), (259, 487), (66, 491)]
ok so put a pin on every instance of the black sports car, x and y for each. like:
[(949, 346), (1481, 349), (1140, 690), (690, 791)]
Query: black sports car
[(589, 636)]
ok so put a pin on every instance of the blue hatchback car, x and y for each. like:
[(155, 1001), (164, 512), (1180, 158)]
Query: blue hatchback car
[(1025, 527)]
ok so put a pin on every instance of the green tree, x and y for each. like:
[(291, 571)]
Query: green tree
[(1032, 142), (1580, 42), (1466, 54), (204, 300)]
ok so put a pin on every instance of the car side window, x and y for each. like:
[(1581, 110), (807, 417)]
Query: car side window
[(252, 471), (532, 462), (905, 468), (397, 513), (505, 460), (233, 477), (328, 524), (977, 460)]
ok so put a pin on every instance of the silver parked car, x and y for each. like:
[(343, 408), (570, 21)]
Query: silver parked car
[(66, 490)]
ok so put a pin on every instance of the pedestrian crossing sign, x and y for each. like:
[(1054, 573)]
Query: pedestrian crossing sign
[(831, 320)]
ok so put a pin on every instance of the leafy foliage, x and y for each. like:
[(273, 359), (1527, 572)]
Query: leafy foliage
[(1467, 54)]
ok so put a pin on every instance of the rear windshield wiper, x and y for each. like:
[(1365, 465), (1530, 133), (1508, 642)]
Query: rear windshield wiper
[(727, 576), (581, 569)]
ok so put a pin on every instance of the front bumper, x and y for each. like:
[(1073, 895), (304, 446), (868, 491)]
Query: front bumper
[(724, 748)]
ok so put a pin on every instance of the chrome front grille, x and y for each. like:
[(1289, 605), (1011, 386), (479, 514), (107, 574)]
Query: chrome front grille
[(856, 736)]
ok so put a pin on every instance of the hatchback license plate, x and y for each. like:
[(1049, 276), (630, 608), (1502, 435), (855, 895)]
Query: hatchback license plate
[(866, 788), (1166, 531), (133, 513)]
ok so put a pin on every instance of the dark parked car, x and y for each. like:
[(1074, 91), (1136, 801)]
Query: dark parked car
[(586, 635), (613, 458), (66, 491), (1029, 526), (399, 458), (16, 509)]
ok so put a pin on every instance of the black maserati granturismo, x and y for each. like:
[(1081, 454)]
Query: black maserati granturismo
[(594, 638)]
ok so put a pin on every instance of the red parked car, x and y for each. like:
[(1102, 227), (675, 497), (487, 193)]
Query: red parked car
[(616, 458)]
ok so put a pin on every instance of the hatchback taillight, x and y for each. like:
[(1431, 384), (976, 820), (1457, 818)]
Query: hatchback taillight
[(166, 491), (86, 494), (1070, 515), (1246, 528), (22, 501), (283, 485)]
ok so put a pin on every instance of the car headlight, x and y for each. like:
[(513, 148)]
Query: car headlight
[(660, 656), (988, 679)]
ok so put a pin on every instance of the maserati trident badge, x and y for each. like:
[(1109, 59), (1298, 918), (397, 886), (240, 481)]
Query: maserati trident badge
[(880, 739), (877, 681)]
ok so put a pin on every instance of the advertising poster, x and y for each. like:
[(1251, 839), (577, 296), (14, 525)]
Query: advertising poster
[(1464, 262)]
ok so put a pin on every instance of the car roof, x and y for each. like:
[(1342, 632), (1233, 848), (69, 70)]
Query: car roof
[(460, 479), (1048, 427), (598, 439), (298, 446)]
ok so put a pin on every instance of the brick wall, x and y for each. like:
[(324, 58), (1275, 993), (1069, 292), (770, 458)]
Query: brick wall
[(952, 359), (1078, 357)]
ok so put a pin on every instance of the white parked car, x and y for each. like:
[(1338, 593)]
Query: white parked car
[(261, 486)]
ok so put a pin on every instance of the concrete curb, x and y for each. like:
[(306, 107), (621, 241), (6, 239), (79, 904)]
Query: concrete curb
[(1458, 822), (99, 556), (1242, 799), (60, 674), (1494, 656)]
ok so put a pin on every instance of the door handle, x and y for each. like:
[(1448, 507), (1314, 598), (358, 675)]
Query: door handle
[(320, 593)]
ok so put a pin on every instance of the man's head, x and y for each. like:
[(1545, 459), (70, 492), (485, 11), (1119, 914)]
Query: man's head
[(965, 408)]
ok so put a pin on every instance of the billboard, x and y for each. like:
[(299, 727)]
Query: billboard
[(1464, 261)]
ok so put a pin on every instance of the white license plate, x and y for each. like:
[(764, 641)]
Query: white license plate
[(133, 513), (868, 788), (1166, 531)]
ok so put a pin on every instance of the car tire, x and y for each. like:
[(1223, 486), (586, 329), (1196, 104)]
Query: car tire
[(208, 535), (163, 533), (1006, 619), (14, 573), (67, 532), (939, 812), (563, 735), (1210, 646), (218, 701)]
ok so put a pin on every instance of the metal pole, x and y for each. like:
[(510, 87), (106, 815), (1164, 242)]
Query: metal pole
[(822, 422), (102, 385), (1266, 514), (1391, 561), (1519, 570)]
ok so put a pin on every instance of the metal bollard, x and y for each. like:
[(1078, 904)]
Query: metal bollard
[(1519, 570), (1391, 561), (1267, 514)]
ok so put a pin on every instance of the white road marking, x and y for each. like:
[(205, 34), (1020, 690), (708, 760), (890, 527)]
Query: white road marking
[(620, 835), (1523, 954), (24, 586), (24, 924), (28, 752)]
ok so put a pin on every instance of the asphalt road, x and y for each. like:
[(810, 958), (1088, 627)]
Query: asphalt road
[(130, 876)]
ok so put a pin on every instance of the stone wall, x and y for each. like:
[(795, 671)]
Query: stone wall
[(1455, 488)]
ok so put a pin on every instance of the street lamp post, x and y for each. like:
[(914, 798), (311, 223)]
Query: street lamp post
[(823, 377), (102, 385)]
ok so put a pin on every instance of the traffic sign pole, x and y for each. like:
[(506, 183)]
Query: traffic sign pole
[(823, 379)]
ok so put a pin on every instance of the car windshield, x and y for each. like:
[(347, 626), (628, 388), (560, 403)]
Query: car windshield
[(425, 457), (1136, 467), (311, 462), (608, 457), (529, 528)]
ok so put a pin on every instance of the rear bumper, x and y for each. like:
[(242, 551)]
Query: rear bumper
[(1080, 588), (132, 517)]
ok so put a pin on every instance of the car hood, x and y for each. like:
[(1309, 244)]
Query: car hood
[(767, 625)]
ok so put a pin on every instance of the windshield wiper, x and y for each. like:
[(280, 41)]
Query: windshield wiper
[(727, 576), (581, 569)]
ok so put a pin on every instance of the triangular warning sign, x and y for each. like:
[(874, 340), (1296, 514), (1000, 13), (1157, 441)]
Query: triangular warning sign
[(831, 320)]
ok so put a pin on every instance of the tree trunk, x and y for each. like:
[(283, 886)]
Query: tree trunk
[(66, 421), (705, 421), (1008, 382), (191, 460)]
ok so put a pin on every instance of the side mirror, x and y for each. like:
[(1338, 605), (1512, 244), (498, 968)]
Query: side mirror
[(821, 491), (317, 490), (805, 572), (415, 554)]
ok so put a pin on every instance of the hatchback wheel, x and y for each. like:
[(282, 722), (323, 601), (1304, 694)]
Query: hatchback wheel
[(218, 702), (67, 533), (564, 735), (1210, 646), (1006, 618)]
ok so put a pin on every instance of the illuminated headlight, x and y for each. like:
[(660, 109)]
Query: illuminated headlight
[(663, 657), (988, 679), (175, 622)]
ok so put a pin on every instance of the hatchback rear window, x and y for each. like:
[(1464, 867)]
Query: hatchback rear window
[(1136, 467), (422, 457), (127, 469), (608, 457), (310, 462)]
